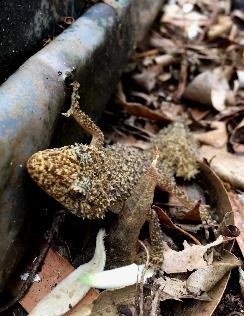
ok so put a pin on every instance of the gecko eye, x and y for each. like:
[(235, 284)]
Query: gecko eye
[(81, 186)]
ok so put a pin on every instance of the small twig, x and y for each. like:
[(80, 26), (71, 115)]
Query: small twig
[(211, 21), (183, 77), (58, 218), (142, 278), (168, 204), (155, 304), (151, 52)]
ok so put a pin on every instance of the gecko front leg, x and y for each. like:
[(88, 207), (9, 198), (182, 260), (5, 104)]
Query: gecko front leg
[(84, 120)]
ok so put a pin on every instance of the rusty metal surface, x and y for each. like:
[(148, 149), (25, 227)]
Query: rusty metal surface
[(94, 51)]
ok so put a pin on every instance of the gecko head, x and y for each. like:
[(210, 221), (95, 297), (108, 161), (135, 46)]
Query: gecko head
[(73, 175)]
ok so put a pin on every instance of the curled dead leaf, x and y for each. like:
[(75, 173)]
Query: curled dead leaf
[(199, 89), (222, 26), (138, 109), (240, 75), (162, 43), (191, 258), (203, 279), (237, 138), (124, 230), (209, 184), (173, 288), (229, 231), (229, 112), (217, 194), (164, 60), (216, 137), (166, 221), (238, 210), (220, 89), (108, 301), (205, 308), (148, 77), (210, 87), (84, 307), (241, 282), (216, 293), (229, 167)]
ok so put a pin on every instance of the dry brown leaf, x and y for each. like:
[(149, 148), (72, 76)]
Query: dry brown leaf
[(240, 75), (177, 16), (203, 279), (205, 308), (167, 222), (203, 53), (217, 194), (165, 76), (84, 307), (229, 167), (183, 77), (229, 112), (108, 302), (222, 26), (193, 215), (237, 138), (207, 182), (138, 109), (162, 43), (192, 257), (164, 60), (147, 98), (220, 89), (151, 52), (199, 89), (198, 114), (124, 230), (238, 210), (147, 79), (211, 88), (173, 288), (172, 111), (216, 138), (241, 282)]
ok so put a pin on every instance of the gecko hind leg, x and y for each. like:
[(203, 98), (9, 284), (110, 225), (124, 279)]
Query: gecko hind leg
[(84, 120)]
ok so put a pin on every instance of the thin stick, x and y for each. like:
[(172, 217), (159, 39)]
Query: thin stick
[(142, 278)]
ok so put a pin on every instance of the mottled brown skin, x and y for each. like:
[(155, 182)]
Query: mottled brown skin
[(87, 180), (90, 179)]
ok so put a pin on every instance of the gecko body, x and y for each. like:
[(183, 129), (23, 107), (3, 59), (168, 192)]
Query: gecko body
[(90, 179)]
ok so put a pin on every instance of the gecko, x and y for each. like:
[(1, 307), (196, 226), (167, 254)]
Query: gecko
[(90, 179)]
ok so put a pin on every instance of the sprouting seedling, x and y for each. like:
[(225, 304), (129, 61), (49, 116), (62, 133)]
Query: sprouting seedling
[(116, 278)]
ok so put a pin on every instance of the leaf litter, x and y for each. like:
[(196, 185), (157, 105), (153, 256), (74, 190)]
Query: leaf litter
[(189, 68)]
